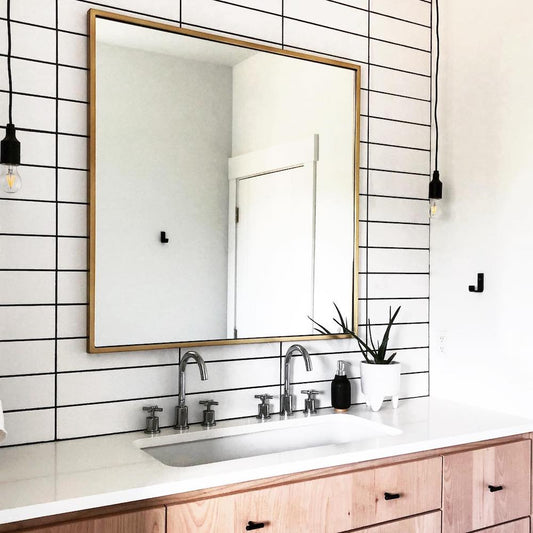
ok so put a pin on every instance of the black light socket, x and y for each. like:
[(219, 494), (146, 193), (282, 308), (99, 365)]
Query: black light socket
[(10, 147), (435, 187)]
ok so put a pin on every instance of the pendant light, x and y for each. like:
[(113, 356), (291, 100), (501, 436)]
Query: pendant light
[(435, 185), (10, 147)]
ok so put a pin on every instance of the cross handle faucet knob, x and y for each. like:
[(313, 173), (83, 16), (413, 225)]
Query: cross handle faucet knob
[(153, 409), (208, 403), (263, 397), (152, 420), (310, 401), (209, 414), (264, 406)]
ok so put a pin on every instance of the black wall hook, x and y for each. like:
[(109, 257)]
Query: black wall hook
[(480, 284), (164, 239)]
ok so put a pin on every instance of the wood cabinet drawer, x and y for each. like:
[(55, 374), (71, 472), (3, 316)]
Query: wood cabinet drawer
[(519, 526), (485, 487), (331, 504), (149, 521), (427, 523)]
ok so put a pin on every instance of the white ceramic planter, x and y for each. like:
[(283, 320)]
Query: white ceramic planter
[(379, 382)]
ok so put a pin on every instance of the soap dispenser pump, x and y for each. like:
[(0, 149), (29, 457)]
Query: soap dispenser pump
[(340, 389)]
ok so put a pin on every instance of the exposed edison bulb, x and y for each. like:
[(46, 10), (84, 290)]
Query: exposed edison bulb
[(435, 209), (10, 178)]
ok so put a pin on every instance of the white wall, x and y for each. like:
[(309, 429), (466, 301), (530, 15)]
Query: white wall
[(486, 163), (162, 159)]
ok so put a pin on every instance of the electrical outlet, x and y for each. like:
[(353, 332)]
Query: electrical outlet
[(442, 343)]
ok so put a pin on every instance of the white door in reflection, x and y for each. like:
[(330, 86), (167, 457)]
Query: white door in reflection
[(274, 260)]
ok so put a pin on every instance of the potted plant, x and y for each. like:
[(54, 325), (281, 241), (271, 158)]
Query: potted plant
[(380, 374)]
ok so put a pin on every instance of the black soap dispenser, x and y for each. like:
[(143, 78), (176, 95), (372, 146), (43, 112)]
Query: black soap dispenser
[(341, 394)]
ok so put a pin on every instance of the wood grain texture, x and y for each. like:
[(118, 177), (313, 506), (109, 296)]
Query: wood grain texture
[(427, 523), (149, 521), (520, 526), (323, 505), (467, 502)]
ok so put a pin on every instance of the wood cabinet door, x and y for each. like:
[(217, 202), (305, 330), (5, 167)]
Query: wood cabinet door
[(149, 521), (485, 487), (325, 505), (427, 523), (520, 526)]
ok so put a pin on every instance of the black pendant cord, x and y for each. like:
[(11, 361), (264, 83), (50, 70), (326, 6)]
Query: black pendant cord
[(9, 76), (437, 61)]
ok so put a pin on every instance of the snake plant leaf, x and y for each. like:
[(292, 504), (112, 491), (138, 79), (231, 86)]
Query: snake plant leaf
[(363, 351), (376, 352), (369, 329), (389, 360), (319, 327), (383, 348), (343, 321)]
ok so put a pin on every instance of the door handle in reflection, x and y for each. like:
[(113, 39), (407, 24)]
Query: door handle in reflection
[(495, 488)]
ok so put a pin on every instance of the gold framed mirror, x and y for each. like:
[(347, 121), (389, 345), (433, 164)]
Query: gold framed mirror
[(224, 179)]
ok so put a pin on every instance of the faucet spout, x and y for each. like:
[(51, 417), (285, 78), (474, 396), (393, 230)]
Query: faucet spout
[(183, 365), (286, 399)]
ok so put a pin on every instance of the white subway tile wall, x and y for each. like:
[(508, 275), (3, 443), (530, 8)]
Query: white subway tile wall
[(50, 387)]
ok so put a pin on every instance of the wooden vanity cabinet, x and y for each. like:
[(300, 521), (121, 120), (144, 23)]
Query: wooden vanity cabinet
[(147, 521), (518, 526), (426, 523), (411, 494), (330, 504), (485, 487)]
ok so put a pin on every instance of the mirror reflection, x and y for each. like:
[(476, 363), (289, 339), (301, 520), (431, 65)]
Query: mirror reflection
[(224, 182)]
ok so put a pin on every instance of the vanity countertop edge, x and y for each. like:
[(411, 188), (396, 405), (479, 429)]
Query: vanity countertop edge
[(53, 478)]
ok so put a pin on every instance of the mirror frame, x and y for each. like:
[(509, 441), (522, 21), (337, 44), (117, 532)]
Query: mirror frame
[(93, 15)]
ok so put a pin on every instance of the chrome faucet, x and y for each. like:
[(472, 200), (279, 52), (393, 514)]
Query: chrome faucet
[(285, 408), (182, 414)]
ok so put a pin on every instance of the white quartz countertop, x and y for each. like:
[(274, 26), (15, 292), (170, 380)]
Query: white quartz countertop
[(59, 477)]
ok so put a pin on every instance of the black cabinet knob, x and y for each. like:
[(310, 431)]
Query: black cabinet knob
[(392, 495), (495, 488), (254, 525)]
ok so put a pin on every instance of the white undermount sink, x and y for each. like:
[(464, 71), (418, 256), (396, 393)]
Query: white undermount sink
[(250, 440)]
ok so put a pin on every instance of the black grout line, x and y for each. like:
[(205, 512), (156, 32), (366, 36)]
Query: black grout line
[(44, 96), (56, 295), (250, 8), (394, 197), (407, 172), (369, 56), (36, 200), (84, 270), (396, 248), (283, 24), (388, 119), (395, 222)]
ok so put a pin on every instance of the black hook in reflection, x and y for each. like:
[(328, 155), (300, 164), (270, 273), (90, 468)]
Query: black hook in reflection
[(164, 238), (480, 284)]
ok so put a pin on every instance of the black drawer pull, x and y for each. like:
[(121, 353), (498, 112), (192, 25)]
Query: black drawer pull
[(254, 525), (495, 488), (392, 495)]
